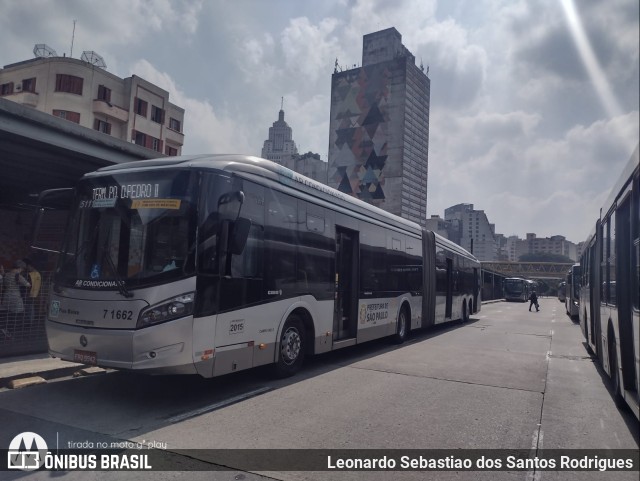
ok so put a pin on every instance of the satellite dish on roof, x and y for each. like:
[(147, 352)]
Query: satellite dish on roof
[(93, 58), (42, 50)]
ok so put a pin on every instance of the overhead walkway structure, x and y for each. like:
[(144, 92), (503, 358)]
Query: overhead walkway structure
[(528, 270)]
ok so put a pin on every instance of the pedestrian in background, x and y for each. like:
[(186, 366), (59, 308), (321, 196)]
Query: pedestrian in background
[(534, 301), (35, 279), (12, 298)]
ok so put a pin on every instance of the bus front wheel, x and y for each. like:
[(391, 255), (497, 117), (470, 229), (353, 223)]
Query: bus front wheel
[(291, 349)]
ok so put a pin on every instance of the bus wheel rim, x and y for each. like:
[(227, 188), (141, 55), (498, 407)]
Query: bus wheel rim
[(291, 343)]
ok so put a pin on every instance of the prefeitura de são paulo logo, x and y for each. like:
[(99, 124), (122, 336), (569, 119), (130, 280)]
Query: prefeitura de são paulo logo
[(27, 452)]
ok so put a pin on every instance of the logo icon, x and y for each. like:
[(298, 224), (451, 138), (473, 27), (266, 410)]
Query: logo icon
[(26, 452), (95, 271), (54, 310), (83, 340)]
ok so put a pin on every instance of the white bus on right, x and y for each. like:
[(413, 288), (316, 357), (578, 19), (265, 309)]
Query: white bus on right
[(609, 306)]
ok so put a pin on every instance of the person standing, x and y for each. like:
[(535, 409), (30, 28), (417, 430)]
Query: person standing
[(534, 301), (35, 279), (12, 297)]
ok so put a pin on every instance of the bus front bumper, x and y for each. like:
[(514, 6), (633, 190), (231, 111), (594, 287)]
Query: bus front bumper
[(161, 349)]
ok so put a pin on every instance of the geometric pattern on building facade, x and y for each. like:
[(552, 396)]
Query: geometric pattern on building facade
[(360, 145)]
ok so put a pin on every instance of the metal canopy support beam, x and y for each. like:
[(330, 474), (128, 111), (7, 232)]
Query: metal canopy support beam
[(39, 151)]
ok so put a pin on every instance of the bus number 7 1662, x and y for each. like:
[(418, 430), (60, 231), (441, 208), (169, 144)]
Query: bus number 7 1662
[(117, 314)]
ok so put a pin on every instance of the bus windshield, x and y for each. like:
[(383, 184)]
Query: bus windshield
[(514, 286), (130, 230)]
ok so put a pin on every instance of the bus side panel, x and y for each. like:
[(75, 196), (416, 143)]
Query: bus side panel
[(238, 331), (204, 330)]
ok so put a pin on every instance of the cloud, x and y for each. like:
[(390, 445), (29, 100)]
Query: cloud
[(309, 49), (499, 163), (206, 130)]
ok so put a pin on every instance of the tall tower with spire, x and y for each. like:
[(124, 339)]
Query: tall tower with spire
[(279, 147)]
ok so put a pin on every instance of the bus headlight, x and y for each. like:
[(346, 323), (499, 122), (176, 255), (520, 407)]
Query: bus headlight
[(179, 306)]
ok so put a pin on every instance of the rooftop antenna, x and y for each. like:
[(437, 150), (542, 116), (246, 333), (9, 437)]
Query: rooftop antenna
[(281, 103), (93, 58), (42, 50), (73, 36)]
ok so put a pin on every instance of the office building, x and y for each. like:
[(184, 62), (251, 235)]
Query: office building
[(473, 231), (379, 128)]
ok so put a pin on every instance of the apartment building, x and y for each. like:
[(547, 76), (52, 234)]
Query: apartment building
[(84, 92)]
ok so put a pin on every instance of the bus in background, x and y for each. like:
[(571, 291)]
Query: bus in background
[(572, 292), (214, 264), (610, 291), (517, 289), (562, 291)]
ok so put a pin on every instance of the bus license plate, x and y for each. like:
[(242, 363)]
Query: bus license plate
[(85, 357)]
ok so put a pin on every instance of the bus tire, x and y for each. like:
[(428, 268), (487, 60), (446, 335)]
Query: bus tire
[(291, 348), (615, 375), (465, 312), (402, 328)]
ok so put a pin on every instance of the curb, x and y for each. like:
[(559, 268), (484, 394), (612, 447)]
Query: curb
[(9, 381)]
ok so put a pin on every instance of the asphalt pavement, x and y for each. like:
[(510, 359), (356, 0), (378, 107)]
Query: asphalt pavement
[(23, 371)]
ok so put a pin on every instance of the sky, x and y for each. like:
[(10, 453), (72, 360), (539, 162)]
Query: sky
[(534, 104)]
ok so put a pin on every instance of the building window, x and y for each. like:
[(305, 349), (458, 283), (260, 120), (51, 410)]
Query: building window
[(102, 126), (157, 114), (29, 85), (104, 93), (67, 115), (140, 107), (146, 141), (6, 89), (69, 83), (174, 124), (139, 138), (171, 151)]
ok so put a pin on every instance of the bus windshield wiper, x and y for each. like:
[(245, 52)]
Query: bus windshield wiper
[(122, 288)]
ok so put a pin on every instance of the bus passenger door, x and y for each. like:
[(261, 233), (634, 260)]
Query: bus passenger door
[(447, 311), (476, 289), (345, 321)]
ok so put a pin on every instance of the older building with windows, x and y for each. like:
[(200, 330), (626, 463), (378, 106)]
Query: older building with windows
[(83, 92), (379, 128)]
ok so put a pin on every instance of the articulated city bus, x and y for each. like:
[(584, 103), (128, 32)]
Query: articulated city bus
[(572, 291), (610, 292), (517, 289), (215, 264)]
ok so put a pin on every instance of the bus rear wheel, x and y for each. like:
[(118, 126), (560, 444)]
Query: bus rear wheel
[(403, 327), (291, 349), (615, 375)]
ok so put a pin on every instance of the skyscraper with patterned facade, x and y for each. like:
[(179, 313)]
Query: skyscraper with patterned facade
[(379, 128)]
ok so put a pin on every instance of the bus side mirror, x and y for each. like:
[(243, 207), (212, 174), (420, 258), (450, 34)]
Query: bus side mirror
[(53, 208), (239, 236)]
